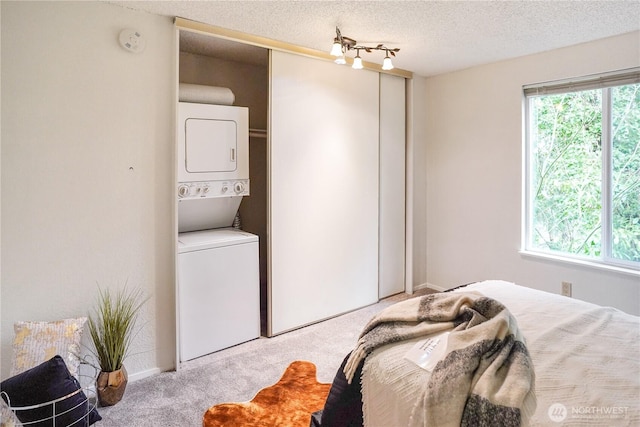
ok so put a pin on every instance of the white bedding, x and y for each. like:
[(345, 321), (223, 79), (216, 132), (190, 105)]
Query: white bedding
[(586, 359)]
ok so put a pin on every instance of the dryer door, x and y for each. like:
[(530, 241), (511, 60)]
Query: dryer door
[(211, 145), (213, 142)]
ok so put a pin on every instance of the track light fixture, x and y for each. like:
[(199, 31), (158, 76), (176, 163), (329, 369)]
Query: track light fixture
[(343, 44)]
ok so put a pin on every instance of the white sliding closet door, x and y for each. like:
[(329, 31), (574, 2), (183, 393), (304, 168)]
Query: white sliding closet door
[(392, 184), (323, 213)]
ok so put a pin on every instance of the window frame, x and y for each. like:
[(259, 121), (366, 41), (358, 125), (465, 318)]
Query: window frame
[(604, 81)]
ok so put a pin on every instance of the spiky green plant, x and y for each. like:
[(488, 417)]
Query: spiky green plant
[(112, 328)]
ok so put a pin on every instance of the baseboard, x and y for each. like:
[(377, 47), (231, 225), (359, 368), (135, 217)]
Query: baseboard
[(144, 374), (430, 286)]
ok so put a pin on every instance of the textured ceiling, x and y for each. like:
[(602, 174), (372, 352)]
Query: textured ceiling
[(434, 36)]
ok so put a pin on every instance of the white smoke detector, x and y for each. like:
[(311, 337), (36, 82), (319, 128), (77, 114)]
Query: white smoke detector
[(132, 40)]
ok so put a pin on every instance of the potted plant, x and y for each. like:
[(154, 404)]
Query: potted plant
[(112, 331)]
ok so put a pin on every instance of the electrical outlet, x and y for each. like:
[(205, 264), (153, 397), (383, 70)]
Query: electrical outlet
[(566, 289)]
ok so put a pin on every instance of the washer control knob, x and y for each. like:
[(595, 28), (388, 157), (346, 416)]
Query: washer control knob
[(224, 188), (205, 190), (183, 191), (238, 187)]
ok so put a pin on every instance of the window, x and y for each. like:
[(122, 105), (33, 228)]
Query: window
[(582, 169)]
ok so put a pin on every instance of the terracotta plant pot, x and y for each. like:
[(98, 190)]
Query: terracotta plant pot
[(111, 386)]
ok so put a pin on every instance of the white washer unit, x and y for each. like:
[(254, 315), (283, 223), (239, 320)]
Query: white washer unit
[(219, 292)]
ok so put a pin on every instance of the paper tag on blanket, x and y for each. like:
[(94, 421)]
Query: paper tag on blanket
[(428, 352)]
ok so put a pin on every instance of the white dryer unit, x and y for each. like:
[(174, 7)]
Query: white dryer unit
[(213, 142), (218, 290), (209, 204)]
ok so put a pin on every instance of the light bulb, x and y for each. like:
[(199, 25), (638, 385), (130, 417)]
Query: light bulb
[(336, 49), (357, 63), (340, 60), (386, 64)]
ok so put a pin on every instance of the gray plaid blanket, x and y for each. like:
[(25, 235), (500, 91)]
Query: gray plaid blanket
[(486, 377)]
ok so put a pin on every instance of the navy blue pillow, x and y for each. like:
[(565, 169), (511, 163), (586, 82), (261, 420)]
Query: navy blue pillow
[(49, 381)]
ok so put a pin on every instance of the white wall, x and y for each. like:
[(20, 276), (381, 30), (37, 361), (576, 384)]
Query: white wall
[(474, 170), (87, 168)]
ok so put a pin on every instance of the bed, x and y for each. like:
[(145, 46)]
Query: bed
[(584, 369)]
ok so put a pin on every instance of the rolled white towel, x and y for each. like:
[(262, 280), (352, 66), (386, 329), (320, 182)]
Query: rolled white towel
[(202, 94)]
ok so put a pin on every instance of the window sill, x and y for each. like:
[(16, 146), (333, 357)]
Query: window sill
[(581, 262)]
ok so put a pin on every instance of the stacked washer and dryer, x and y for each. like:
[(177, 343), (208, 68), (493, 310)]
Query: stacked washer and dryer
[(218, 265)]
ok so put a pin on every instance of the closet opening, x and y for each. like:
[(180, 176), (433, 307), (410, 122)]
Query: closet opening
[(244, 69)]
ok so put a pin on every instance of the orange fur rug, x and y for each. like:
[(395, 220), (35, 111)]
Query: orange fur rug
[(288, 403)]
